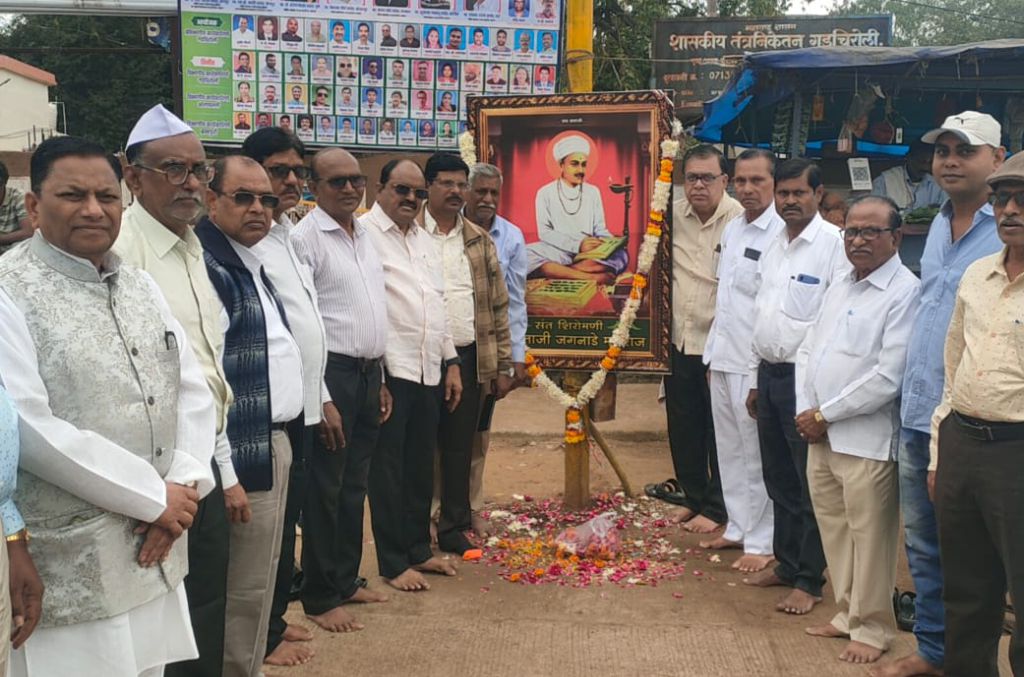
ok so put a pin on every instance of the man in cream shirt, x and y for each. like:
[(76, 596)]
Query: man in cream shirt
[(167, 172)]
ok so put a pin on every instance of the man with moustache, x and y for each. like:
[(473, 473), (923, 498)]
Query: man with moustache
[(291, 33), (167, 172), (977, 432), (349, 279), (419, 353), (117, 431), (849, 372), (476, 303), (263, 365), (727, 354), (410, 41), (698, 219), (800, 264), (482, 199), (967, 151), (280, 153)]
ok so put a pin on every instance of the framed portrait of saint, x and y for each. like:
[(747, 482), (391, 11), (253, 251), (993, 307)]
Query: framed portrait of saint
[(578, 174)]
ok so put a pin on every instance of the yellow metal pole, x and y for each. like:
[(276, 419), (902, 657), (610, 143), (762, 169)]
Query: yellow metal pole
[(579, 44)]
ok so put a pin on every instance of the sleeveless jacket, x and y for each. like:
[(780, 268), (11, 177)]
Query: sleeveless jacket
[(108, 367)]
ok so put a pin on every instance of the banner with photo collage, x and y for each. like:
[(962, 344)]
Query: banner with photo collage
[(362, 73)]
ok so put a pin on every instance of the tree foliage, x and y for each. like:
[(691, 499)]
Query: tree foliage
[(103, 93), (944, 22), (623, 32)]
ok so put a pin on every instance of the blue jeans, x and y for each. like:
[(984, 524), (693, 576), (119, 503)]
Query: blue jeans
[(922, 545)]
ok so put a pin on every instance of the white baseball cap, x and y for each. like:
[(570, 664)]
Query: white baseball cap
[(977, 129)]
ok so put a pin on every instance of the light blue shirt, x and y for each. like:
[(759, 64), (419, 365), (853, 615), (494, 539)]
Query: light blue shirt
[(511, 246), (942, 265), (9, 465)]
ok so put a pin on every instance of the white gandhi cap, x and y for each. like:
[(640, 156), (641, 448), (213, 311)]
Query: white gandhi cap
[(977, 129), (157, 123), (569, 145)]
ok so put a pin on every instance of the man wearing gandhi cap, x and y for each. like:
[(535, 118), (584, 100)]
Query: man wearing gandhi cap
[(967, 150), (570, 221), (167, 173)]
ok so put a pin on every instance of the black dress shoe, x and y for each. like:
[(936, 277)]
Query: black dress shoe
[(454, 542), (296, 588)]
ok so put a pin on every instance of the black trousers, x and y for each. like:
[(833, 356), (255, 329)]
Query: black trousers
[(206, 585), (691, 436), (455, 434), (332, 523), (979, 501), (402, 477), (300, 436), (797, 543)]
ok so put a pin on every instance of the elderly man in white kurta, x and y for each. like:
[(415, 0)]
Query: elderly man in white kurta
[(117, 430), (570, 220)]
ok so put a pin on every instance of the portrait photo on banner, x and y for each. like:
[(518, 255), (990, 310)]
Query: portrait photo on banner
[(578, 175)]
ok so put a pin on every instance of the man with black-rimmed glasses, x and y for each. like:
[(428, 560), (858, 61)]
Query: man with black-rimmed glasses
[(349, 280), (167, 173)]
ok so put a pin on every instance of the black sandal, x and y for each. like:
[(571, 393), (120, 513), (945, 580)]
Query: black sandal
[(668, 491)]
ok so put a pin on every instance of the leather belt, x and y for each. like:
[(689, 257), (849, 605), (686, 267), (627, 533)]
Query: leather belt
[(989, 431), (361, 364)]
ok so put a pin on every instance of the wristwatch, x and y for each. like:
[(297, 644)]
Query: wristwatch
[(819, 418), (20, 535), (454, 361)]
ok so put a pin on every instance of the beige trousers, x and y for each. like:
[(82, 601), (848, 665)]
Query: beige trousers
[(856, 503), (255, 548)]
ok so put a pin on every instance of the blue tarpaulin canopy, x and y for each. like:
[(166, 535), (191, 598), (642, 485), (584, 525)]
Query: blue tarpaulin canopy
[(918, 83)]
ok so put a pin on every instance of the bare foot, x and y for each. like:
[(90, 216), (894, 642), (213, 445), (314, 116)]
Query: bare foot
[(433, 532), (751, 564), (701, 525), (336, 620), (366, 596), (681, 515), (907, 666), (859, 652), (798, 602), (435, 565), (480, 526), (720, 543), (826, 631), (288, 654), (409, 581), (297, 633), (764, 579)]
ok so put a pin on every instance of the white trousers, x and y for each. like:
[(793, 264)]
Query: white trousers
[(751, 517)]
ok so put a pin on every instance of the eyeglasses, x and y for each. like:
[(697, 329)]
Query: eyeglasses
[(357, 181), (281, 172), (244, 198), (448, 184), (867, 234), (1001, 198), (702, 178), (403, 190), (177, 173)]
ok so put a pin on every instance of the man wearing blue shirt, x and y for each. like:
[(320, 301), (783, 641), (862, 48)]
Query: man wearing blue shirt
[(967, 151), (482, 208)]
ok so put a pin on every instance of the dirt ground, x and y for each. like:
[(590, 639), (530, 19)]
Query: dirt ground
[(479, 624)]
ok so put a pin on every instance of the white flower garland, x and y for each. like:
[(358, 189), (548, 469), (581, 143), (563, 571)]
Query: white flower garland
[(620, 336)]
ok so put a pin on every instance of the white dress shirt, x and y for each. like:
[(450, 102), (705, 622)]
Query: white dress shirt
[(458, 279), (851, 364), (418, 336), (284, 359), (743, 245), (349, 279), (793, 276), (294, 284)]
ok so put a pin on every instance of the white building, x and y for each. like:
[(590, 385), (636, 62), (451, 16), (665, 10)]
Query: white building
[(27, 116)]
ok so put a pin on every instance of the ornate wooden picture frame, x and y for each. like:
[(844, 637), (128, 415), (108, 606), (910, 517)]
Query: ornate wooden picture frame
[(578, 174)]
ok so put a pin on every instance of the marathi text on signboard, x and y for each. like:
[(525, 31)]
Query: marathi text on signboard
[(696, 57), (365, 73)]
